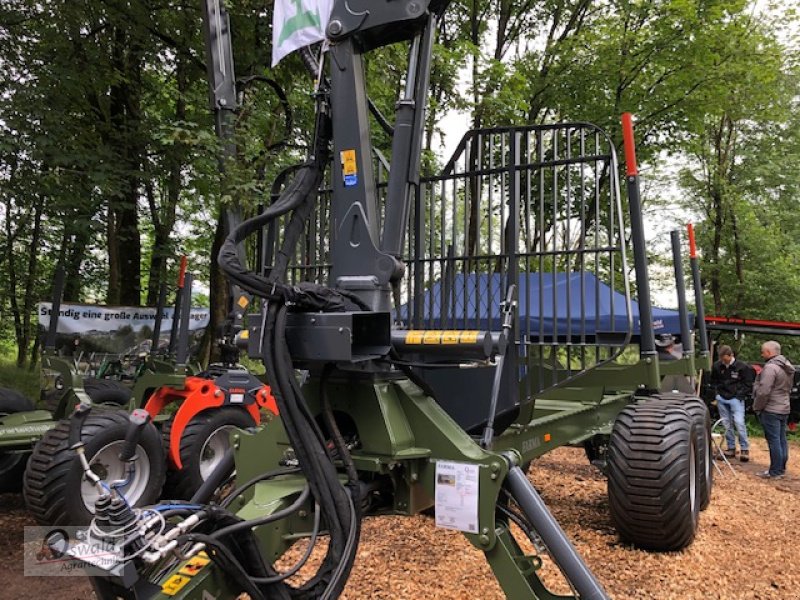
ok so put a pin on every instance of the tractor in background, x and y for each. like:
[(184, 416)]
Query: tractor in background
[(191, 412), (765, 330), (65, 386)]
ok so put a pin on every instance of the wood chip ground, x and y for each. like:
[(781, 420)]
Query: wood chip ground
[(745, 547)]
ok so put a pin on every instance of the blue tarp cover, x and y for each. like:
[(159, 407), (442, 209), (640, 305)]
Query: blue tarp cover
[(563, 304)]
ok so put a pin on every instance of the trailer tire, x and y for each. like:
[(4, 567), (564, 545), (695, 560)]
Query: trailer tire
[(203, 443), (653, 481), (12, 464), (701, 416), (107, 391), (55, 490)]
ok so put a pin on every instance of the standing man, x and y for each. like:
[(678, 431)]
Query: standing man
[(667, 348), (733, 382), (771, 404), (668, 351)]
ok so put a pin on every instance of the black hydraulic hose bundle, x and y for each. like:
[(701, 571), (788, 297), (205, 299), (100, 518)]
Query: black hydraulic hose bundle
[(297, 198), (333, 428), (338, 504), (303, 186), (338, 509)]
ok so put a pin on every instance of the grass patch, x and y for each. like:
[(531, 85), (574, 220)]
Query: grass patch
[(24, 381), (754, 429)]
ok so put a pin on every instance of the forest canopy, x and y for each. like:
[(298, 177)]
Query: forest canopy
[(109, 162)]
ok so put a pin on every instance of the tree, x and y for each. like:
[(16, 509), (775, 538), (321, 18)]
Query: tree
[(742, 177), (109, 164)]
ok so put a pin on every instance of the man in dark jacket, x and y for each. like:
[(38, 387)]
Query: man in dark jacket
[(733, 382), (771, 404)]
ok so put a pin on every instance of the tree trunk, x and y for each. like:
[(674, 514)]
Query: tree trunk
[(130, 291), (124, 245), (30, 283), (164, 219), (162, 248), (12, 279), (218, 295), (723, 140), (37, 342), (112, 295), (714, 279), (77, 237), (737, 257)]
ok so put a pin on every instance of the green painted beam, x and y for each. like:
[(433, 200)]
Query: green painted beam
[(20, 431)]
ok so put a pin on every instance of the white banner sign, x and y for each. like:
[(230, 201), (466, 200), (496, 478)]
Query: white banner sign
[(88, 318), (298, 23)]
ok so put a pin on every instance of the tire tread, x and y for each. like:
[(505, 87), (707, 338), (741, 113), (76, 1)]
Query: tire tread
[(647, 468)]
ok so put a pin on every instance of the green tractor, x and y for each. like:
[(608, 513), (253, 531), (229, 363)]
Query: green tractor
[(190, 411), (23, 424), (64, 386)]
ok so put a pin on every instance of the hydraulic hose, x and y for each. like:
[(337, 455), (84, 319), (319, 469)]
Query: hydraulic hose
[(337, 503)]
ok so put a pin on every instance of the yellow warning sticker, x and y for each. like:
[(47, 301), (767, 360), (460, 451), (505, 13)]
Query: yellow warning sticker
[(436, 336), (450, 337), (469, 337), (433, 336), (349, 162), (244, 334), (192, 568), (414, 337), (243, 301), (174, 584)]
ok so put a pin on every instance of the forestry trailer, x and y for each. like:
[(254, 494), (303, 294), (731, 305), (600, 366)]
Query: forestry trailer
[(424, 337)]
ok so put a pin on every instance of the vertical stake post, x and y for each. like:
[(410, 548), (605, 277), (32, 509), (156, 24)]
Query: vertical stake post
[(680, 287), (58, 291), (176, 313), (698, 292), (162, 301), (647, 347), (182, 352)]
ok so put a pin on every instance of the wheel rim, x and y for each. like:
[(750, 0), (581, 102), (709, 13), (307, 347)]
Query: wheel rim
[(213, 450), (107, 465)]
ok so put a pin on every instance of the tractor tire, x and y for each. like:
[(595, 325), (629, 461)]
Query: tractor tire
[(107, 391), (203, 444), (11, 401), (12, 464), (54, 487), (699, 413), (653, 481)]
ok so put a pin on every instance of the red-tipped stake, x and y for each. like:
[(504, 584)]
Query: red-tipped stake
[(698, 292), (647, 345), (692, 245), (182, 272), (629, 145)]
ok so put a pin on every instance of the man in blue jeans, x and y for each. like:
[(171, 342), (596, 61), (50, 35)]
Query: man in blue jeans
[(771, 404), (733, 382)]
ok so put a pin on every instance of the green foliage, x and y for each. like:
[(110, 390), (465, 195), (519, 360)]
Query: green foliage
[(24, 381), (754, 429), (106, 132)]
